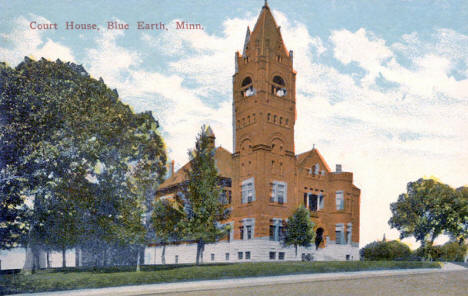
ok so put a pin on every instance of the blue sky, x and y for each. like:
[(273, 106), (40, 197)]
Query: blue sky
[(382, 86)]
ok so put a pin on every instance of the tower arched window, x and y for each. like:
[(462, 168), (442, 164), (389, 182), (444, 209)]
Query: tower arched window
[(278, 87), (274, 119), (247, 80), (269, 116), (247, 88)]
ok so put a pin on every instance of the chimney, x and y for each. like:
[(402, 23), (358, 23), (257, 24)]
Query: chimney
[(172, 168), (338, 168)]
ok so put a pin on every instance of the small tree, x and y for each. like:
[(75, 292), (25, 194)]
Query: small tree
[(299, 229), (202, 200)]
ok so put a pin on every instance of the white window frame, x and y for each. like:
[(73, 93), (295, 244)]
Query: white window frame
[(248, 191), (248, 222), (277, 224), (340, 200), (275, 189), (320, 202), (340, 228)]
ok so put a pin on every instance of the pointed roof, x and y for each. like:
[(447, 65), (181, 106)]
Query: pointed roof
[(247, 38), (209, 132), (301, 158), (266, 29)]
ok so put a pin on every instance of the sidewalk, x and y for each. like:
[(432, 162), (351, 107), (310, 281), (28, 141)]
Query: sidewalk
[(244, 282)]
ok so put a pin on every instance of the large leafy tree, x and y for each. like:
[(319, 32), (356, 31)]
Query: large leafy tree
[(299, 229), (69, 145), (204, 206), (425, 211)]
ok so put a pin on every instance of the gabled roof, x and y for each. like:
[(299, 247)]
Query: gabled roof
[(223, 159), (302, 158)]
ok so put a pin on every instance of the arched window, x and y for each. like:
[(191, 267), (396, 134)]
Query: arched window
[(247, 80), (274, 119), (247, 88), (278, 80), (269, 116), (278, 87)]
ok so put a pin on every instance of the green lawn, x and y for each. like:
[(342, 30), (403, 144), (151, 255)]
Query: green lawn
[(49, 280)]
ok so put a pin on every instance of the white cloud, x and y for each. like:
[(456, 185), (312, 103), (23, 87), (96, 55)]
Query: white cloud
[(23, 41), (361, 47)]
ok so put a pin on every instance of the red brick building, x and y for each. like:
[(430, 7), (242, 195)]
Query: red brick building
[(263, 177)]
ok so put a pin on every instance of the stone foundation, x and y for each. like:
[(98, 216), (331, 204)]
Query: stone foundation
[(254, 250)]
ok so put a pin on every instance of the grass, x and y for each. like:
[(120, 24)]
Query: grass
[(71, 278)]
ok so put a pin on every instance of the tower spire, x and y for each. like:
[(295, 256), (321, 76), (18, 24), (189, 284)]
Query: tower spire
[(247, 38)]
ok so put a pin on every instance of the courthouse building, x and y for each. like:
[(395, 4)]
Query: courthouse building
[(263, 178)]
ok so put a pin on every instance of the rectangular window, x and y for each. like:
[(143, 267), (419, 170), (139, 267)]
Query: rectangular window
[(176, 259), (247, 255), (313, 202), (272, 255), (281, 255), (240, 255), (227, 256), (241, 232), (248, 191), (212, 257), (276, 229), (249, 231), (339, 200), (320, 203), (339, 234), (278, 192)]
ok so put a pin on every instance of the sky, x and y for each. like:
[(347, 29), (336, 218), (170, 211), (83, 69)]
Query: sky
[(382, 86)]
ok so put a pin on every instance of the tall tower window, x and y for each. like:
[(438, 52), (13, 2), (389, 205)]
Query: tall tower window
[(278, 88), (247, 88), (269, 117)]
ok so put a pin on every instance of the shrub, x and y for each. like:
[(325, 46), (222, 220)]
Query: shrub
[(383, 250), (450, 251)]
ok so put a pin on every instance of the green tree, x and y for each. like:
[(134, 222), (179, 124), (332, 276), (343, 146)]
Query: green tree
[(424, 211), (69, 145), (165, 220), (202, 199), (299, 229)]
